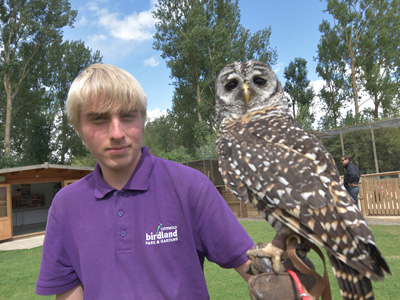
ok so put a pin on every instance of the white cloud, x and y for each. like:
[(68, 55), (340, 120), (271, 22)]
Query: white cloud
[(153, 3), (152, 62), (82, 22), (317, 85), (317, 106), (278, 68), (98, 37), (156, 113), (134, 27)]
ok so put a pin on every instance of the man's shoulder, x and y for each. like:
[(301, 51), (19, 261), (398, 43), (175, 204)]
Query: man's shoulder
[(180, 174), (176, 167), (353, 165), (81, 185)]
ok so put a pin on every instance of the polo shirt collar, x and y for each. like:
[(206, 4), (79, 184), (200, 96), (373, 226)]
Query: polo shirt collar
[(139, 180)]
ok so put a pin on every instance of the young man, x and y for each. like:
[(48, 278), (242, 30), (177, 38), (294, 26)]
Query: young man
[(139, 227), (351, 177)]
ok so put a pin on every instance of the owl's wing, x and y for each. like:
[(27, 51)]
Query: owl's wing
[(288, 175), (275, 160)]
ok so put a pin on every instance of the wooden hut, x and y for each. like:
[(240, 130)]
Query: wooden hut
[(26, 194)]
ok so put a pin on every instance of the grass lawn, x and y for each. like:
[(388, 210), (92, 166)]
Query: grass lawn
[(19, 268), (227, 284)]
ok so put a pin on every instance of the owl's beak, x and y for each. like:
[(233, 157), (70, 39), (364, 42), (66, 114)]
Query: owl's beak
[(246, 92)]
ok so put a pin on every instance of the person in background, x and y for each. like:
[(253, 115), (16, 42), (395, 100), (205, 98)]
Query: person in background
[(351, 178), (138, 227)]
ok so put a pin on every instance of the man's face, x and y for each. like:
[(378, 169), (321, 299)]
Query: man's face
[(345, 161), (114, 138)]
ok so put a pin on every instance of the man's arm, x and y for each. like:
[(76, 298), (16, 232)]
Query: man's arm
[(75, 293), (242, 270)]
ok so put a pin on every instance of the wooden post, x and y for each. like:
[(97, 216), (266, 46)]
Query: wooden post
[(243, 210), (341, 141), (362, 196), (374, 148)]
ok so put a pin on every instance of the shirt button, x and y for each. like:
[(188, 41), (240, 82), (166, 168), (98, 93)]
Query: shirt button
[(123, 233), (120, 213)]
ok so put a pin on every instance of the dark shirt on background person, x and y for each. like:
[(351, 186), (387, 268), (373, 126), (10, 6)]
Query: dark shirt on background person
[(351, 178)]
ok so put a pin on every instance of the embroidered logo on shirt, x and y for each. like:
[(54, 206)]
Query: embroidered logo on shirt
[(158, 228), (163, 235)]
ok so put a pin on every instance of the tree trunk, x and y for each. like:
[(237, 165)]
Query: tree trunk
[(7, 135), (376, 107), (199, 117), (335, 116), (355, 91), (294, 110)]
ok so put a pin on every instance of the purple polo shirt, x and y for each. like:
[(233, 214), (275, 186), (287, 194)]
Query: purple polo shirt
[(146, 241)]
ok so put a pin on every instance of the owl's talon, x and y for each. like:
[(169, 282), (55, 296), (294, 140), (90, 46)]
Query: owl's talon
[(271, 251)]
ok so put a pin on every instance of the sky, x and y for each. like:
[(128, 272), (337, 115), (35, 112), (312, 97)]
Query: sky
[(123, 33)]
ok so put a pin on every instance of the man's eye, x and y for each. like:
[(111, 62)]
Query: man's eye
[(98, 118), (231, 85), (129, 116)]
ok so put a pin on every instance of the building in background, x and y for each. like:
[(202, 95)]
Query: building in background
[(26, 194)]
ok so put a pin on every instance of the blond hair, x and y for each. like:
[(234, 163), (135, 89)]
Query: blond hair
[(114, 86)]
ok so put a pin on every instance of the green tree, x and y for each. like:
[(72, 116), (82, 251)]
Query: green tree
[(359, 145), (358, 25), (40, 129), (388, 149), (33, 125), (32, 119), (36, 148), (68, 59), (161, 135), (197, 38), (87, 160), (301, 94), (382, 89), (164, 140), (379, 67), (27, 29), (332, 70)]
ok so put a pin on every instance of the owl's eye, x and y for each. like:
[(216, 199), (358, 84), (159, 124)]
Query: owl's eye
[(259, 81), (231, 85)]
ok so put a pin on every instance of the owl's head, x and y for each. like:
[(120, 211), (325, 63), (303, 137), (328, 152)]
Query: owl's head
[(242, 87)]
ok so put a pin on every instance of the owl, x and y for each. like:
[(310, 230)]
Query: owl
[(286, 173)]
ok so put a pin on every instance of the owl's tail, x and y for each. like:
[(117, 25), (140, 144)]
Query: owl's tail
[(353, 285)]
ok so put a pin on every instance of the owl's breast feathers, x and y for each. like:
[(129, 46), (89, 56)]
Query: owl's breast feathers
[(285, 172), (266, 150)]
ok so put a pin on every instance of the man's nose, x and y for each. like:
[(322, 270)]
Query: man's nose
[(116, 129)]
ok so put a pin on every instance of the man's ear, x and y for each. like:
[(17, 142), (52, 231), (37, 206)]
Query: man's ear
[(77, 131)]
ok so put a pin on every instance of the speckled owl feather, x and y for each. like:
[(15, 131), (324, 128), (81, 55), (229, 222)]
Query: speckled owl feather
[(287, 174)]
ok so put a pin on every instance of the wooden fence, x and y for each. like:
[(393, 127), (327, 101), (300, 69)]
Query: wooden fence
[(379, 196), (239, 208)]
